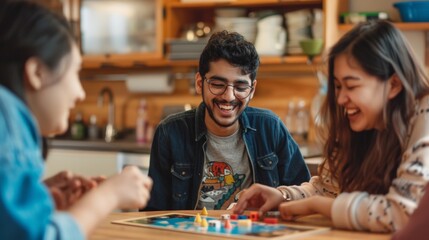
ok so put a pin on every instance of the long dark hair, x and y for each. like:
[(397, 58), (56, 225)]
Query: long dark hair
[(368, 160), (30, 30)]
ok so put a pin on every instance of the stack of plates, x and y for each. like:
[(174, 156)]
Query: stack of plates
[(181, 49), (298, 24)]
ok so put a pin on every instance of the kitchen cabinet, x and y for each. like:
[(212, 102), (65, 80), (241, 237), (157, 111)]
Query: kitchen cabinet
[(117, 33), (344, 6), (417, 33), (89, 19), (180, 14)]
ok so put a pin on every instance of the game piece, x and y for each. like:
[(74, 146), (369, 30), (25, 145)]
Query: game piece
[(225, 217), (268, 220), (204, 223), (244, 223), (214, 224), (242, 217), (254, 216), (227, 224), (234, 216), (197, 219), (204, 212)]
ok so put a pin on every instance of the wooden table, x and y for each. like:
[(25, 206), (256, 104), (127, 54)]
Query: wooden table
[(107, 230)]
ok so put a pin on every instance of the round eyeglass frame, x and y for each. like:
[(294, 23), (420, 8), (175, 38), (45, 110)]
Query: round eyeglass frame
[(226, 86)]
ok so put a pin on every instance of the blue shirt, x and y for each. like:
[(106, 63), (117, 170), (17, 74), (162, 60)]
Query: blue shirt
[(178, 150), (26, 208)]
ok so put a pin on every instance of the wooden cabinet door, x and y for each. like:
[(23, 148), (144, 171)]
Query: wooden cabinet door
[(117, 33)]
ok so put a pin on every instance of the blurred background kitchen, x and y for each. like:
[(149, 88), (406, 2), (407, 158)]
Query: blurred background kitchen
[(140, 58)]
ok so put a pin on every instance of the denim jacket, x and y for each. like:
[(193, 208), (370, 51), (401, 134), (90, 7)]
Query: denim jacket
[(178, 148), (26, 207)]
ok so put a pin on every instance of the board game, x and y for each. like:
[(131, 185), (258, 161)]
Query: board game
[(233, 229)]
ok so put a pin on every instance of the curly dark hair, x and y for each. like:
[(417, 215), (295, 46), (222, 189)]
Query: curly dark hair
[(233, 48)]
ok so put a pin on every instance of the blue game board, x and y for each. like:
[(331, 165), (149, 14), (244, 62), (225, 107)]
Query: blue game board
[(185, 223)]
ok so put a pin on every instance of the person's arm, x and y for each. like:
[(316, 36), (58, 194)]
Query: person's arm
[(390, 212), (129, 189), (160, 171), (26, 209), (416, 228)]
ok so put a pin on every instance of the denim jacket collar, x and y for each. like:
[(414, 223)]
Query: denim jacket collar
[(201, 129)]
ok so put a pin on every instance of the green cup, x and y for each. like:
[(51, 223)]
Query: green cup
[(311, 47)]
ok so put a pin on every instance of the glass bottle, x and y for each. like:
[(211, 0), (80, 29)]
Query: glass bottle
[(93, 131), (302, 121), (78, 128), (141, 122)]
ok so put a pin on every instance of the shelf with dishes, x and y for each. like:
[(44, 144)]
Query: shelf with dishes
[(276, 27), (237, 3), (405, 26), (163, 62)]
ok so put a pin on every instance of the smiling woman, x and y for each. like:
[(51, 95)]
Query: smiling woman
[(377, 137)]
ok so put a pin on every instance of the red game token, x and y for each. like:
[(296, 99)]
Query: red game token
[(271, 220)]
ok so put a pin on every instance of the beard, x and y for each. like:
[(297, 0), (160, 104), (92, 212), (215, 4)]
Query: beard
[(237, 104)]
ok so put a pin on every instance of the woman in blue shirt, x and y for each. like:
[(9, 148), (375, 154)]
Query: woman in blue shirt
[(39, 84)]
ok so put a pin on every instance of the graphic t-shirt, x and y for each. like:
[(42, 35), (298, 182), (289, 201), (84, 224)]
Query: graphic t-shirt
[(226, 171)]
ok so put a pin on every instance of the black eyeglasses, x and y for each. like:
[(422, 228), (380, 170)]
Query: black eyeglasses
[(218, 87)]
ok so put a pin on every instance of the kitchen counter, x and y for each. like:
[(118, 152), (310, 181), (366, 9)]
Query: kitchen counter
[(309, 150), (128, 147), (100, 145)]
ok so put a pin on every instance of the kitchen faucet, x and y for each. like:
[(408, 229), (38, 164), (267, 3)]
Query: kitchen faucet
[(110, 127)]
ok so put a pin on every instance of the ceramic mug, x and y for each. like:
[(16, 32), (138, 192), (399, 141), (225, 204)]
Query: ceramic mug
[(271, 41)]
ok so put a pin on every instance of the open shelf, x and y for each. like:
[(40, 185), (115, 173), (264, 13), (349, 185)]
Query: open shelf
[(265, 61), (237, 3), (401, 25)]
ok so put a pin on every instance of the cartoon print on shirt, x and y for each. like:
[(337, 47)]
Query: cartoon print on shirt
[(219, 185)]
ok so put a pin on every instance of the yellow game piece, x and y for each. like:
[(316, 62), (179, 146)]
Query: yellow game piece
[(204, 223), (245, 223), (204, 212), (197, 218)]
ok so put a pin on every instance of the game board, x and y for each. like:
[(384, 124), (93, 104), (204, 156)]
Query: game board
[(185, 223)]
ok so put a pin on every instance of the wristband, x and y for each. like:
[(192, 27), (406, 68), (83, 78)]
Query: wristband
[(285, 195)]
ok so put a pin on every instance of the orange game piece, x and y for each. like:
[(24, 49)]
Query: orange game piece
[(227, 224), (254, 216)]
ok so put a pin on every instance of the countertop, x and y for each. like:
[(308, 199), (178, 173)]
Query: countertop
[(308, 150), (100, 145)]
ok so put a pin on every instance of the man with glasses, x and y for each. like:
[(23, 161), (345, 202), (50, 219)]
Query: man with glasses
[(205, 156)]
